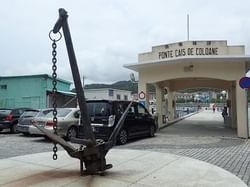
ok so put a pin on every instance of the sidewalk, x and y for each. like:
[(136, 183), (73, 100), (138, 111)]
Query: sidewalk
[(130, 168)]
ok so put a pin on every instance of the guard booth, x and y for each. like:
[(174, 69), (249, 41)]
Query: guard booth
[(194, 64)]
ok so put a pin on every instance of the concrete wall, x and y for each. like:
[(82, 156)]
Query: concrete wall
[(217, 70)]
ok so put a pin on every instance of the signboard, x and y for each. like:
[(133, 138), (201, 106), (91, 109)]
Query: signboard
[(192, 51), (245, 82)]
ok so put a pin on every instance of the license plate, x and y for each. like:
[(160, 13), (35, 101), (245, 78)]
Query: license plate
[(41, 124)]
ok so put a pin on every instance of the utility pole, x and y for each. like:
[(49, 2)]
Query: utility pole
[(188, 27)]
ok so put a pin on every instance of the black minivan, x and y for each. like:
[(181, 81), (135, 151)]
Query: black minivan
[(104, 115)]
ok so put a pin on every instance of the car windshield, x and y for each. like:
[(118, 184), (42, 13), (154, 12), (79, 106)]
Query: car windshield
[(98, 108), (61, 112), (5, 111), (27, 114)]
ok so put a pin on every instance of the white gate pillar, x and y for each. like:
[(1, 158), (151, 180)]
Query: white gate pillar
[(171, 105), (159, 105), (241, 107)]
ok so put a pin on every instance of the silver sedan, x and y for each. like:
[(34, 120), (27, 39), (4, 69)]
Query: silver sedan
[(68, 120), (26, 119)]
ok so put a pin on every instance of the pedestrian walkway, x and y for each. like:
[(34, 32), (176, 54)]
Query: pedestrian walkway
[(205, 123), (130, 168)]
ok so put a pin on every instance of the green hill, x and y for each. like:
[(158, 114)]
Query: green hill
[(122, 85), (133, 87)]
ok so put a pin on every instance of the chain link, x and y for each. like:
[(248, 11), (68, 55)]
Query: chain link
[(54, 90)]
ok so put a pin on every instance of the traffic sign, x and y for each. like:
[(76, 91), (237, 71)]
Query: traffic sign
[(245, 82), (141, 95)]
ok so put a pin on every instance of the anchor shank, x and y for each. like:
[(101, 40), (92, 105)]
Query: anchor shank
[(85, 120)]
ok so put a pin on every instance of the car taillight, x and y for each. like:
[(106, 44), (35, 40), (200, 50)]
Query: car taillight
[(8, 117), (111, 120), (49, 123)]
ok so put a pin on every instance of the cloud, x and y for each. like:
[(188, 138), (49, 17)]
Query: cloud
[(108, 34)]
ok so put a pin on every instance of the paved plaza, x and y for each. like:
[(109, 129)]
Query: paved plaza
[(130, 168), (202, 136)]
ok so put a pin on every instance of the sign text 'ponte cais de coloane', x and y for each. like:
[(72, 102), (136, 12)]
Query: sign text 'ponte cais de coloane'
[(188, 52)]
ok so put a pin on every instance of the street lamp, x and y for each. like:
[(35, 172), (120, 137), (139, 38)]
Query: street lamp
[(223, 92), (223, 95), (221, 98), (132, 78)]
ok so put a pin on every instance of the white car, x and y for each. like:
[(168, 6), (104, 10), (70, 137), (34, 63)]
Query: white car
[(26, 119), (67, 122)]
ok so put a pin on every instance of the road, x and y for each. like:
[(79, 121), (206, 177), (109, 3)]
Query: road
[(17, 144)]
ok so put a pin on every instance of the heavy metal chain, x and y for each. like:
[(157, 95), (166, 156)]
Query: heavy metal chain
[(54, 90)]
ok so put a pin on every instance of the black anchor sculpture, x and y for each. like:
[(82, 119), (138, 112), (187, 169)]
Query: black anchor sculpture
[(92, 151)]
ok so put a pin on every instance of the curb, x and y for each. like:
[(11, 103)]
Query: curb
[(169, 123)]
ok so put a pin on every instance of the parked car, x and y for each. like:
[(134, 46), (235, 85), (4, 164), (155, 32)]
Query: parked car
[(9, 118), (28, 117), (68, 119), (105, 114)]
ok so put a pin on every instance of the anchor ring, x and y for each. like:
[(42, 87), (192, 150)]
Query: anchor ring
[(58, 38)]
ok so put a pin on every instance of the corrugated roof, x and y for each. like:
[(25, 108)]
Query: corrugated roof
[(37, 75), (64, 92)]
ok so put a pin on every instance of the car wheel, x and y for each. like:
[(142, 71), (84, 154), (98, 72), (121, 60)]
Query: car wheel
[(152, 131), (13, 128), (122, 137), (26, 134), (72, 133)]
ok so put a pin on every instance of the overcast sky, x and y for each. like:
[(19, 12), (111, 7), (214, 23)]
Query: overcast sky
[(110, 33)]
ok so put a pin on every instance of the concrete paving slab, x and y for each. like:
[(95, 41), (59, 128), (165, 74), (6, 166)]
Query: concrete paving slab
[(24, 170), (130, 168), (9, 164), (46, 159)]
